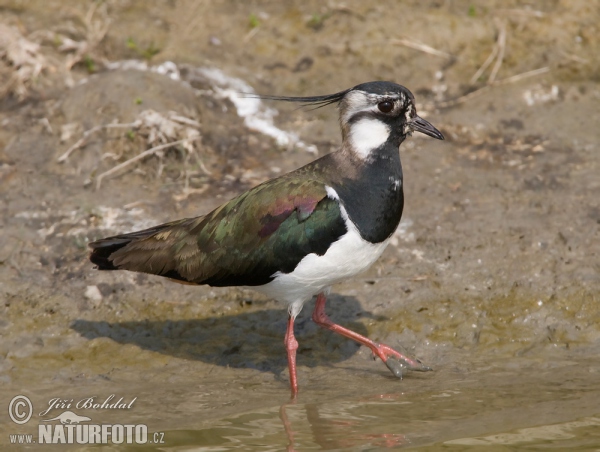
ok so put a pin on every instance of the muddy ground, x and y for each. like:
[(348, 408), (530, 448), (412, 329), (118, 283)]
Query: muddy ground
[(493, 277)]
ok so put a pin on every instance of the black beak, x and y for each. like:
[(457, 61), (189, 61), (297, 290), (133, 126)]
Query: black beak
[(418, 124)]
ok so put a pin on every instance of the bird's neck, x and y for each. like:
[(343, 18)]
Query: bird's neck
[(370, 189)]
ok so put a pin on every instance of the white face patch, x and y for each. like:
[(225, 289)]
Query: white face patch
[(366, 135)]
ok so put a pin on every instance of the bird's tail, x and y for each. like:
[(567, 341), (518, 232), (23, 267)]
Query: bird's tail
[(103, 249), (170, 250)]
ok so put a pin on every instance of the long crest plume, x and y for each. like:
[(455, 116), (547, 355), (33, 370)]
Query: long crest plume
[(309, 101)]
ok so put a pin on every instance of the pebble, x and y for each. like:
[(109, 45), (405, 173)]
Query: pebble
[(93, 293)]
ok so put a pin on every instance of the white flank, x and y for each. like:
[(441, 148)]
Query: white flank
[(366, 135), (350, 255)]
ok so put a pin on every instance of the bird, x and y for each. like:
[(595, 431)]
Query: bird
[(294, 236)]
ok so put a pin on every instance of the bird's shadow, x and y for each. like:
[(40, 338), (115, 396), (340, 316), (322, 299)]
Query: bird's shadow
[(247, 340)]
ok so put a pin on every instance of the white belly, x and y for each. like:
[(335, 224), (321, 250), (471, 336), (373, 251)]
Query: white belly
[(346, 257)]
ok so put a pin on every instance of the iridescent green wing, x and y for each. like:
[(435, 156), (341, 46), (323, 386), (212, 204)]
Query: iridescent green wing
[(244, 242)]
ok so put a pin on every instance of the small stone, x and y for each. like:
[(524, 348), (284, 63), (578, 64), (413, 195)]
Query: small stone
[(93, 293)]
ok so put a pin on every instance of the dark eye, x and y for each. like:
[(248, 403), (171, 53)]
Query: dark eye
[(386, 106)]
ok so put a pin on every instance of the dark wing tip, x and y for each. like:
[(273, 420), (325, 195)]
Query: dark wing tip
[(101, 251)]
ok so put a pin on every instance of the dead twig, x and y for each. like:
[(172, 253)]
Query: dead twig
[(497, 54), (421, 47), (575, 58), (250, 35), (521, 12), (501, 44), (82, 141), (516, 78), (23, 59), (477, 92), (184, 120), (187, 191), (485, 65), (141, 156), (132, 205), (95, 31), (497, 57), (458, 100)]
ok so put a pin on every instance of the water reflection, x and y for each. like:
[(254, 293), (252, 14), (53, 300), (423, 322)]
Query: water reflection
[(338, 430), (554, 407), (295, 426)]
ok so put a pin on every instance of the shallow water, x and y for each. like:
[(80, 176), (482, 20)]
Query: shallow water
[(468, 401)]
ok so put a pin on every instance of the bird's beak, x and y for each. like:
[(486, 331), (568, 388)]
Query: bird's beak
[(418, 124)]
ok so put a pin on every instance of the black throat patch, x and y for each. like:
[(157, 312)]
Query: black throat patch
[(374, 197)]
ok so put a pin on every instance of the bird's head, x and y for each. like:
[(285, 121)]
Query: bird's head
[(372, 114), (386, 103)]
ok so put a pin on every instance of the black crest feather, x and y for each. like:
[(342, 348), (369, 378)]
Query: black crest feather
[(308, 101)]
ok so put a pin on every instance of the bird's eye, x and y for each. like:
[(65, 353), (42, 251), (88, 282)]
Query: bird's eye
[(385, 106)]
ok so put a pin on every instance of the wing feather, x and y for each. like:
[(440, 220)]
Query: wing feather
[(244, 242)]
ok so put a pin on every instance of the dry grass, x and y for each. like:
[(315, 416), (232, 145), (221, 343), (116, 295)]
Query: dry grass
[(160, 132), (21, 62)]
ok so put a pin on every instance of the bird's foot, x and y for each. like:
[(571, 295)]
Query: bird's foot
[(397, 362)]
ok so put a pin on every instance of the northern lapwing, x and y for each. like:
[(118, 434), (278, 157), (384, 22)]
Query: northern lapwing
[(295, 236)]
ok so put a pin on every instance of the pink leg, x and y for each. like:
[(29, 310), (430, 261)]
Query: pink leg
[(394, 360), (291, 345)]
